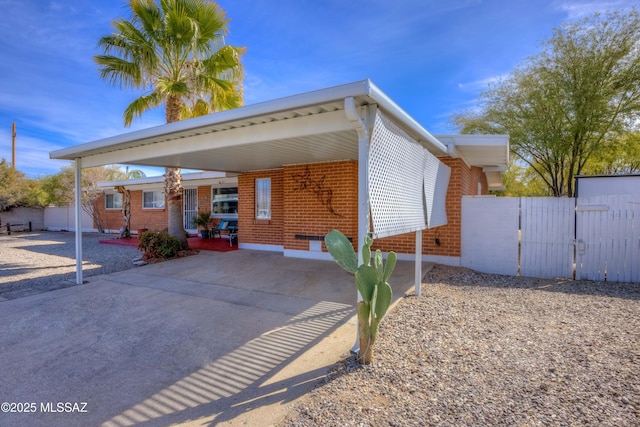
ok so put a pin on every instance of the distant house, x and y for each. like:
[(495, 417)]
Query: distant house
[(213, 191), (292, 169)]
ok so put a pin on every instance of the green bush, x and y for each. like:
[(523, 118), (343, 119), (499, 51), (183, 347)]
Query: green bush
[(159, 244)]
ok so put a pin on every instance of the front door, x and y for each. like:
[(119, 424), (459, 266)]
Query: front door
[(190, 199)]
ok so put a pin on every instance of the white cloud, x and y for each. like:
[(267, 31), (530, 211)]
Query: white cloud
[(582, 9), (482, 84)]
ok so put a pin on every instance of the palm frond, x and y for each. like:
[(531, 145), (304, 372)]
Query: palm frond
[(175, 49), (118, 71), (141, 105)]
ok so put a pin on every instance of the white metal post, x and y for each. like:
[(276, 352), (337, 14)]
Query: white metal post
[(418, 266), (78, 209), (361, 125)]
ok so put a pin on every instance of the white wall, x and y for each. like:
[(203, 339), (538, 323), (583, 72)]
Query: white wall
[(490, 234), (23, 216), (63, 219)]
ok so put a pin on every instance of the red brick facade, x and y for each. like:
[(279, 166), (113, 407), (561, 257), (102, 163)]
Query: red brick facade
[(318, 198), (309, 200), (306, 190), (152, 219), (260, 231), (307, 194)]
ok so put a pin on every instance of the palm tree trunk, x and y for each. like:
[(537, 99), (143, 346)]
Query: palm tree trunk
[(173, 190), (125, 231), (173, 180)]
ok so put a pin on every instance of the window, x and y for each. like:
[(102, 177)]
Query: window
[(153, 199), (113, 201), (263, 198), (224, 201)]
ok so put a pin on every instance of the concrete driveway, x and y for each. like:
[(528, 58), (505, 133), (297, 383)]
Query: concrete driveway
[(213, 339)]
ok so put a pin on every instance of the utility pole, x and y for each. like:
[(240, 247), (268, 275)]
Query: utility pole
[(13, 145)]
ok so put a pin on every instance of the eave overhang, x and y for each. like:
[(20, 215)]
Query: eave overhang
[(309, 127)]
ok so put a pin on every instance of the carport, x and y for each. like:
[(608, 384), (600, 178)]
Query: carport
[(401, 183)]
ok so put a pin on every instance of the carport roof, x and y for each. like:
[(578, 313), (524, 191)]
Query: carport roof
[(304, 128)]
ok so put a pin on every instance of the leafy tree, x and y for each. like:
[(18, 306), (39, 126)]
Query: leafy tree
[(520, 181), (60, 190), (175, 52), (59, 187), (562, 105), (16, 190), (618, 155)]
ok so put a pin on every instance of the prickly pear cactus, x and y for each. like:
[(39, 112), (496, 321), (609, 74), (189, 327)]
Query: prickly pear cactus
[(372, 283)]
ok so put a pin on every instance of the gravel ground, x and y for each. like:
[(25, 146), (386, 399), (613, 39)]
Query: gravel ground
[(32, 263), (488, 350)]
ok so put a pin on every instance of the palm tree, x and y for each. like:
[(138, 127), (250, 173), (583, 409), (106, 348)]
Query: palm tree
[(175, 51), (125, 231)]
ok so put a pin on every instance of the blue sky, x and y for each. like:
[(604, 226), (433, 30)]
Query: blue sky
[(432, 57)]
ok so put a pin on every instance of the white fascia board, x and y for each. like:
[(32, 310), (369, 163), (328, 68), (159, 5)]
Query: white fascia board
[(308, 99), (126, 182), (501, 168), (387, 105), (475, 139), (359, 89), (206, 177)]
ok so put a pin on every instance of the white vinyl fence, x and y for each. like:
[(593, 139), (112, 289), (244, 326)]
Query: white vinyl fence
[(594, 238), (490, 234), (63, 219), (608, 238), (547, 236)]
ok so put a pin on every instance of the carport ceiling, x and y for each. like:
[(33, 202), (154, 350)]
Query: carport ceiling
[(265, 154), (310, 127)]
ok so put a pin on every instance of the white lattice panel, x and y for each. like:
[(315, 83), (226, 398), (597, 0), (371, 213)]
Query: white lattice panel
[(396, 164), (436, 182)]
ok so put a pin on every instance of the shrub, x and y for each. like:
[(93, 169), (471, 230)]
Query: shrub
[(159, 244)]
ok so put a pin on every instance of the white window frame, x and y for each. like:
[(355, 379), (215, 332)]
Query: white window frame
[(263, 198), (218, 197), (114, 196), (158, 199)]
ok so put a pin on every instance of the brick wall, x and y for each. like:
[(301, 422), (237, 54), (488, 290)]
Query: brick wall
[(153, 219), (318, 198), (251, 230), (302, 200), (304, 196)]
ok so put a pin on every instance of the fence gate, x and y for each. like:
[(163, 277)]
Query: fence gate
[(597, 237), (547, 243), (608, 238), (190, 198)]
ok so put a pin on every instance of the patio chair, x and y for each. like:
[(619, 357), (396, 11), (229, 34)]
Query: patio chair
[(227, 227), (222, 225), (233, 232)]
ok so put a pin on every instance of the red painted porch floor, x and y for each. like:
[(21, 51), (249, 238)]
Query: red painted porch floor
[(198, 243)]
